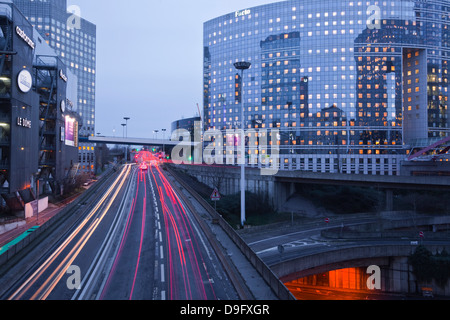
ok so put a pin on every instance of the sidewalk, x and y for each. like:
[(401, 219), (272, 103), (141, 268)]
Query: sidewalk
[(44, 216)]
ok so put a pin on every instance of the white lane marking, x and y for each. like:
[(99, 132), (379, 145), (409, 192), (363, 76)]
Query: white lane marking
[(162, 273)]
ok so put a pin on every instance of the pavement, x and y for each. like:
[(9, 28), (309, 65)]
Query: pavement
[(27, 224), (44, 216)]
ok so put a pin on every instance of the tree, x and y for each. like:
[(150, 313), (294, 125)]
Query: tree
[(421, 263), (427, 267)]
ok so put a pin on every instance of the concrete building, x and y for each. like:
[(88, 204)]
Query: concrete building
[(59, 130), (74, 41), (34, 87)]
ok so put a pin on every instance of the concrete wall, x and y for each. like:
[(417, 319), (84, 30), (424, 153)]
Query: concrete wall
[(228, 179), (278, 188), (11, 226), (397, 276), (29, 207)]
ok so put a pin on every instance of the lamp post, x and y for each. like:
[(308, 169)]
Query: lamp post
[(38, 176), (124, 125), (126, 135), (164, 138), (242, 66)]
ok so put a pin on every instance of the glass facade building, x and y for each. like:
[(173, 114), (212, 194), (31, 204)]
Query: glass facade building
[(74, 40), (351, 86)]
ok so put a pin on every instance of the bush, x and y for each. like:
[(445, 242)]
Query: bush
[(421, 262), (427, 267), (342, 199), (256, 206)]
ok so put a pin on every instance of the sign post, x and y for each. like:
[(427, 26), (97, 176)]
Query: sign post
[(421, 235), (215, 196)]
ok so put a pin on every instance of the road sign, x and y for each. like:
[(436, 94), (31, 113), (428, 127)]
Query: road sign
[(215, 196), (327, 220), (421, 234)]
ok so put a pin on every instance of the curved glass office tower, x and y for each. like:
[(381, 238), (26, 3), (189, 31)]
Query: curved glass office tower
[(352, 86)]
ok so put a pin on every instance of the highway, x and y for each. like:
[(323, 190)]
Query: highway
[(277, 246), (137, 241), (299, 239)]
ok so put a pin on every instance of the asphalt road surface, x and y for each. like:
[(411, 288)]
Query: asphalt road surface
[(137, 241)]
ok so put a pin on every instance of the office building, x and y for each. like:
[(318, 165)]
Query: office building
[(74, 40), (59, 130), (351, 86), (18, 108), (34, 88)]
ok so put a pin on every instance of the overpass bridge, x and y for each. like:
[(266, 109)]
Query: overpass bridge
[(346, 246), (281, 186), (391, 258), (134, 141), (307, 250)]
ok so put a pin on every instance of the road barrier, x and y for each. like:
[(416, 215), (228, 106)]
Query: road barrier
[(267, 274)]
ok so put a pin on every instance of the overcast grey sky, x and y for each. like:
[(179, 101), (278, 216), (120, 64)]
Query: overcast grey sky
[(150, 59)]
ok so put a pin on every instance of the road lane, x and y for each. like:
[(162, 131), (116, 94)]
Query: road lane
[(186, 270), (136, 241), (48, 275), (129, 277)]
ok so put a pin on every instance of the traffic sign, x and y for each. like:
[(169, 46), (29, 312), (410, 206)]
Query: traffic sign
[(327, 220), (215, 196), (421, 234)]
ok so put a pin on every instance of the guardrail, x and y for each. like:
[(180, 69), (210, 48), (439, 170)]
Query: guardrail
[(267, 274), (54, 222)]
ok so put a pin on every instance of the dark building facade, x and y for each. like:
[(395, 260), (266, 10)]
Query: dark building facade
[(59, 130), (74, 41), (19, 110), (35, 113), (188, 124)]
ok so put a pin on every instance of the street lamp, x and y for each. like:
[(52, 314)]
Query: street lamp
[(124, 125), (38, 176), (242, 66), (126, 129), (164, 138)]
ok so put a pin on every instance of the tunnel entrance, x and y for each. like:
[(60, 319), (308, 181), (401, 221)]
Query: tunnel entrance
[(342, 284)]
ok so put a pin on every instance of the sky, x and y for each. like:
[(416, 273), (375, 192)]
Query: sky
[(150, 60)]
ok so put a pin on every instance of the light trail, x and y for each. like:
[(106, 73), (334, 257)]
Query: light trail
[(59, 272), (179, 228), (141, 192), (123, 241), (144, 213)]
